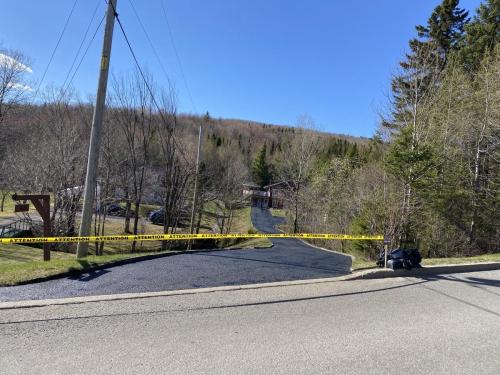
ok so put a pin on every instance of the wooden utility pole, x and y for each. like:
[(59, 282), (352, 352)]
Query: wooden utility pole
[(95, 135), (195, 194)]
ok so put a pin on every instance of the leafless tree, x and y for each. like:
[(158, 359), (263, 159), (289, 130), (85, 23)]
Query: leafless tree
[(296, 164), (135, 114), (14, 89)]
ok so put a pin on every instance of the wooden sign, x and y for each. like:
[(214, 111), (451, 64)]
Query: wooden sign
[(21, 207)]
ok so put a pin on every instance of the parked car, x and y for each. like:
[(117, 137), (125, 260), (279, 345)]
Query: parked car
[(19, 233), (115, 210), (157, 216)]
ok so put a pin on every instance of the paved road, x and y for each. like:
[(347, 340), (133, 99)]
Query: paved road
[(288, 260), (446, 325)]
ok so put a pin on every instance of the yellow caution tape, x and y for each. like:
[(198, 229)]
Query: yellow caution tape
[(169, 237)]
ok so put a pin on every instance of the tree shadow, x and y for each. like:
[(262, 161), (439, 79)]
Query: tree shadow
[(477, 282), (225, 306), (344, 270), (86, 275)]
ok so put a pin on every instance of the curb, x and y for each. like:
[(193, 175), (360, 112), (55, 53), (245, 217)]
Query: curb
[(361, 275), (129, 296), (443, 269)]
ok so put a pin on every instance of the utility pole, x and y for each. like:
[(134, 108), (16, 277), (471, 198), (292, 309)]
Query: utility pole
[(195, 194), (95, 135)]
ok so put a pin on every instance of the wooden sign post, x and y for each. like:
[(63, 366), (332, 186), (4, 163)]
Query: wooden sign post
[(42, 205)]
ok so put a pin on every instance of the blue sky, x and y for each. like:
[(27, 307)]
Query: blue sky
[(262, 60)]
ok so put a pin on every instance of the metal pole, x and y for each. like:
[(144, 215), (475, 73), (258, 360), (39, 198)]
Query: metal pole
[(195, 194), (95, 135), (387, 242), (385, 256)]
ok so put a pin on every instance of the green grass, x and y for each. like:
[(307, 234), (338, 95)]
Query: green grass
[(22, 263), (13, 253), (361, 263), (253, 243), (8, 208), (116, 226), (462, 260), (144, 209), (278, 212)]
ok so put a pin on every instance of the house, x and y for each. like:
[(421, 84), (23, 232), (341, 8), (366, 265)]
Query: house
[(269, 196)]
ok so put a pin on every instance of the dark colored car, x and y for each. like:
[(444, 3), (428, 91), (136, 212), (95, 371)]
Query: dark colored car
[(115, 210), (19, 233), (157, 216)]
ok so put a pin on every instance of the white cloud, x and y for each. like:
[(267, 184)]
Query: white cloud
[(20, 87), (9, 61)]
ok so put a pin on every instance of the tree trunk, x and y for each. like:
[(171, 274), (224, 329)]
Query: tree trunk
[(2, 203)]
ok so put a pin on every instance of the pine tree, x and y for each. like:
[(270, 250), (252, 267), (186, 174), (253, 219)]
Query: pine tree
[(429, 53), (481, 35), (260, 169), (409, 158)]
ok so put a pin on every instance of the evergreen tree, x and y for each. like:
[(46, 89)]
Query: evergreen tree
[(428, 56), (260, 169), (482, 34)]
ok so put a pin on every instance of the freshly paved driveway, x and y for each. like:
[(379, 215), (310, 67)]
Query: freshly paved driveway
[(440, 325), (288, 260)]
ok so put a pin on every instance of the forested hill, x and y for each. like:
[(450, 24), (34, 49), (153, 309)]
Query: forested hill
[(251, 136)]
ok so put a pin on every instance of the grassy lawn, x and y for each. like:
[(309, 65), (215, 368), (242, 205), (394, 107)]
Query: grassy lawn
[(360, 263), (23, 263), (278, 212), (8, 208), (462, 260), (144, 209), (242, 223), (115, 226), (252, 243)]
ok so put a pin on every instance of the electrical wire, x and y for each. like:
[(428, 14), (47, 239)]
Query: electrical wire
[(149, 41), (81, 43), (82, 58), (143, 76), (177, 55), (56, 47)]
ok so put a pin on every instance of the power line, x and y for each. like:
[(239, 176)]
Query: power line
[(150, 42), (177, 55), (81, 43), (82, 58), (144, 77), (55, 48)]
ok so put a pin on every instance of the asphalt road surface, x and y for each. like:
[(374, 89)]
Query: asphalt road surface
[(289, 259), (440, 325)]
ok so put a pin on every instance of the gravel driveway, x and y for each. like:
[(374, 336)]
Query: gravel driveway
[(288, 259)]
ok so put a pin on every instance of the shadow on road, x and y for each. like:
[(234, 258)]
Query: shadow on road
[(88, 276), (273, 262), (271, 302)]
